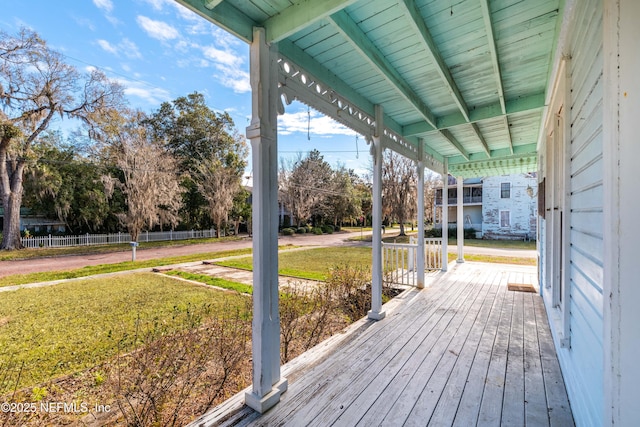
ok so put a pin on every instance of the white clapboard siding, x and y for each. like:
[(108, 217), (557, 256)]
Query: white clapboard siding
[(582, 362)]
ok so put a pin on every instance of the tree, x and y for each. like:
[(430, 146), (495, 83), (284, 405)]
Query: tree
[(219, 185), (344, 202), (36, 85), (194, 133), (432, 182), (52, 187), (148, 176), (241, 210), (399, 184), (305, 186)]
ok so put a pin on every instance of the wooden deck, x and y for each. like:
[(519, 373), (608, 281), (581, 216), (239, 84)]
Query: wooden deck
[(464, 351)]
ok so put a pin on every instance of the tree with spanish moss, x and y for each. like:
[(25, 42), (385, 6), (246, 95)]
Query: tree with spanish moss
[(399, 187), (147, 175), (37, 86)]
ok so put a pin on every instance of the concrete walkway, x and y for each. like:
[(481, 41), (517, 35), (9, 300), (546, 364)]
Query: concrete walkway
[(199, 267)]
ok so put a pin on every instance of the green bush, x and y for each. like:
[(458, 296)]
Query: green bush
[(301, 230), (336, 228), (433, 232), (316, 230), (327, 229), (288, 231), (469, 233)]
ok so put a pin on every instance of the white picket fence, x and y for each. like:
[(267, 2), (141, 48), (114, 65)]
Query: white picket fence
[(107, 239), (399, 260)]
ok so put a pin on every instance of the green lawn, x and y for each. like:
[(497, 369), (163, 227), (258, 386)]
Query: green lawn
[(19, 279), (69, 327), (311, 264)]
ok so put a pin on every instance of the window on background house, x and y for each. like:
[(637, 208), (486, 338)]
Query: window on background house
[(505, 190), (505, 219)]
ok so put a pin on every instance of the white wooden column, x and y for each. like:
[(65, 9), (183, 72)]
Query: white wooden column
[(621, 152), (445, 215), (460, 219), (420, 254), (376, 312), (262, 132)]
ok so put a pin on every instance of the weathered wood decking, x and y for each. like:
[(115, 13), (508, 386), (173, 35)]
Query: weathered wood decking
[(465, 351)]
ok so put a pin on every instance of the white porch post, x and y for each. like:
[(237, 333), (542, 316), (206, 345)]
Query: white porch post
[(621, 152), (445, 214), (376, 312), (460, 219), (262, 132), (420, 255)]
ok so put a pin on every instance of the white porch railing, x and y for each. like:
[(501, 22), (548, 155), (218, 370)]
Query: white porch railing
[(107, 239), (399, 260)]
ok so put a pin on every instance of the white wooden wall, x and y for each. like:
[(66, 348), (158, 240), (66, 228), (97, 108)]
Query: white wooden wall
[(581, 355)]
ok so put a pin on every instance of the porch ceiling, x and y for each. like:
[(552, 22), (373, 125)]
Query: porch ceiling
[(467, 78)]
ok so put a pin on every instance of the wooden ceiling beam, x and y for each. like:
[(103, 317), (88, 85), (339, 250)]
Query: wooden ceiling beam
[(416, 21), (300, 15), (486, 16), (362, 44)]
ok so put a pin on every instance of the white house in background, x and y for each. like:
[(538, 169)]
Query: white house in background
[(497, 207)]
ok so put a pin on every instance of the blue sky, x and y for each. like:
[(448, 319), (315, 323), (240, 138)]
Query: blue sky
[(159, 51)]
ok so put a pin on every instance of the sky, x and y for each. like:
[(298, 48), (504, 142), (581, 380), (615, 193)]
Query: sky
[(158, 51)]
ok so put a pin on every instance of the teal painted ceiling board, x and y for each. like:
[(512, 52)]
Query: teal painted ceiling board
[(469, 77)]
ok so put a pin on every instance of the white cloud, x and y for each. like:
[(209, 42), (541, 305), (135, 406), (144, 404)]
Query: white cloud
[(233, 78), (105, 5), (223, 57), (157, 29), (152, 95), (130, 49), (105, 45), (125, 47), (289, 123), (156, 4), (84, 22)]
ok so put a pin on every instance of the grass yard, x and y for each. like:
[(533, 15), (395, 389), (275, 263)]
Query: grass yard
[(312, 264), (57, 330), (19, 279)]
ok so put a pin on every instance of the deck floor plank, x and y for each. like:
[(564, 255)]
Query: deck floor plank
[(513, 400), (469, 405), (534, 395), (493, 395), (335, 376), (383, 368), (458, 363), (464, 351), (424, 387), (557, 401)]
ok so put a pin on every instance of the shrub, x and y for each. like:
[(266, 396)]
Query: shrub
[(153, 383), (433, 232), (336, 228), (327, 229), (349, 284), (316, 230), (305, 317), (301, 230), (288, 231)]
